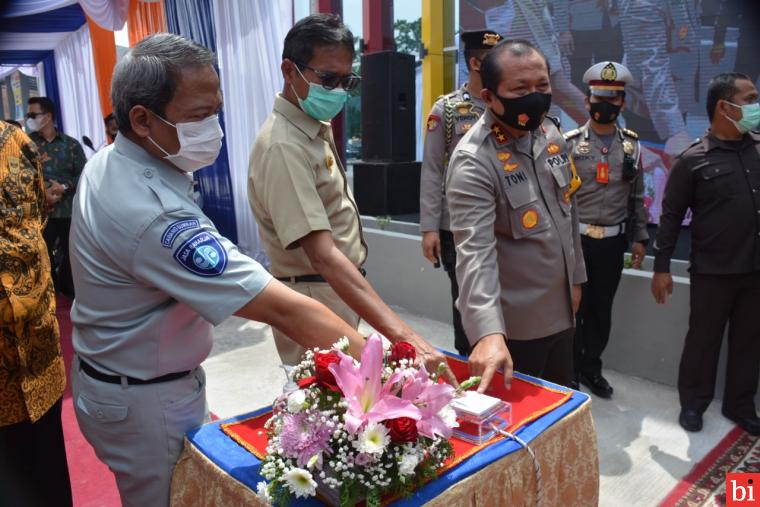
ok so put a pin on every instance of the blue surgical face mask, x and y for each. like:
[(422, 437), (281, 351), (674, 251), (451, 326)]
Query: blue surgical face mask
[(321, 104), (750, 117)]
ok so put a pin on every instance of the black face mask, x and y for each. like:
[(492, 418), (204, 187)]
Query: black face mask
[(526, 112), (604, 112)]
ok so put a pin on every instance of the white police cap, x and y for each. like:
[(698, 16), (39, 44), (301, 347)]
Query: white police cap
[(607, 79)]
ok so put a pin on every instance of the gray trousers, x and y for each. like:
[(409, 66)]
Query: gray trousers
[(138, 431)]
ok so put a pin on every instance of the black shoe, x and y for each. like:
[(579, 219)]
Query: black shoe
[(749, 424), (597, 384), (690, 420)]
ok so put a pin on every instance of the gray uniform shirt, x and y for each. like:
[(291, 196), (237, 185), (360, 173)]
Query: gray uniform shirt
[(151, 272), (455, 120), (516, 231), (608, 203)]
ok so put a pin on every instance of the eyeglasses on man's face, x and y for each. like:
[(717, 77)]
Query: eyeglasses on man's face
[(331, 81)]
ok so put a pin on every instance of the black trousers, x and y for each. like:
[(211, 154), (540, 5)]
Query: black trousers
[(549, 358), (56, 235), (33, 468), (449, 262), (717, 300), (604, 267)]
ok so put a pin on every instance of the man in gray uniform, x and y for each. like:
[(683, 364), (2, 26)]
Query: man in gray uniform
[(450, 119), (610, 210), (153, 275), (510, 188)]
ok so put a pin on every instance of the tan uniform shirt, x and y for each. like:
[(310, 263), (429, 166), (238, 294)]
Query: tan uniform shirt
[(297, 185), (516, 231), (450, 118), (608, 203)]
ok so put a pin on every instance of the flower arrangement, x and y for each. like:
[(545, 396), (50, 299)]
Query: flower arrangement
[(358, 430)]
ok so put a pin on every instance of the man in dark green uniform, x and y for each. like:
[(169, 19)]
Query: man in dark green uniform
[(62, 162)]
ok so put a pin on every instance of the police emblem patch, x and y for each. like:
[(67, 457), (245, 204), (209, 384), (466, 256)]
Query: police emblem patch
[(530, 219), (552, 149), (504, 156), (202, 255), (628, 147), (432, 122), (509, 167), (174, 229), (609, 72), (522, 119)]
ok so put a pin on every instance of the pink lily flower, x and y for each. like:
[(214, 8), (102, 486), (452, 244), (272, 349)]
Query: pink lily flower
[(429, 397), (368, 399)]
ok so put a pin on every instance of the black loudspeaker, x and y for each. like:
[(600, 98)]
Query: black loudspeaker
[(388, 107), (387, 188)]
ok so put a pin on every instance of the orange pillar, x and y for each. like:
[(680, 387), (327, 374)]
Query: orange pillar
[(104, 58)]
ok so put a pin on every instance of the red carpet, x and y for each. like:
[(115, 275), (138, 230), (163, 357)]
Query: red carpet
[(705, 485), (92, 484)]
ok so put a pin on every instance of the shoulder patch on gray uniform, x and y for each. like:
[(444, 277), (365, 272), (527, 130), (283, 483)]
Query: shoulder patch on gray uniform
[(171, 232), (202, 255)]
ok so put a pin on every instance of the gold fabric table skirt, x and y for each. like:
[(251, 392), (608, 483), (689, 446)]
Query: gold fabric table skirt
[(566, 451)]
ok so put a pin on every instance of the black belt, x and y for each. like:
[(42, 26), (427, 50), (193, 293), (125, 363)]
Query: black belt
[(115, 379), (310, 278)]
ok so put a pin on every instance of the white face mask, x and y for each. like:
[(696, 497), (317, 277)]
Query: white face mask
[(34, 124), (199, 143)]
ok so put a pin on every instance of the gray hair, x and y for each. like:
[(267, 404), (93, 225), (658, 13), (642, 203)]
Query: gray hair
[(149, 73)]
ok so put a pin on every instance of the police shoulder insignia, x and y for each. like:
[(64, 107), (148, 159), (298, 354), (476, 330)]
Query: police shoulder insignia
[(630, 133), (175, 228), (432, 122), (571, 134), (202, 255), (552, 148)]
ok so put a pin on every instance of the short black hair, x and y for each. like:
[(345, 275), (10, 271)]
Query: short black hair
[(490, 71), (315, 31), (47, 105), (722, 87), (474, 53)]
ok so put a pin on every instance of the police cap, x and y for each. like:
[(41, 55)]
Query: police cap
[(480, 39), (607, 79)]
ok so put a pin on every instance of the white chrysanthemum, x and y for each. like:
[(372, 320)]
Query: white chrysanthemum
[(296, 399), (448, 416), (300, 482), (341, 344), (262, 491), (408, 463), (373, 439)]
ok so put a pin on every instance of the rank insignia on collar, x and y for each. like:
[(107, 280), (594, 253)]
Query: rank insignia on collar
[(523, 119), (628, 147), (553, 148), (530, 219), (432, 122), (501, 137)]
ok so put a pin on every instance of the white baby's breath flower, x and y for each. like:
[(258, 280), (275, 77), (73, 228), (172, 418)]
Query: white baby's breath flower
[(262, 491), (448, 416), (408, 463), (300, 482), (373, 439), (296, 399), (341, 344)]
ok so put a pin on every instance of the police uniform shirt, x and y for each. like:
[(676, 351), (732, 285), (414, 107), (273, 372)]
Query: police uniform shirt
[(453, 114), (297, 185), (152, 274), (514, 223), (720, 182), (608, 203)]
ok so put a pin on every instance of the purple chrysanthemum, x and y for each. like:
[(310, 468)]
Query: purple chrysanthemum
[(302, 440)]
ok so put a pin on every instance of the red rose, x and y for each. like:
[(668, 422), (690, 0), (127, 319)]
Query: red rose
[(306, 382), (325, 378), (403, 350), (402, 429)]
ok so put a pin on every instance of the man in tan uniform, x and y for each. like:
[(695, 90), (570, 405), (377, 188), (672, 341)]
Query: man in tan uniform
[(299, 194), (610, 211), (510, 189), (450, 118)]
